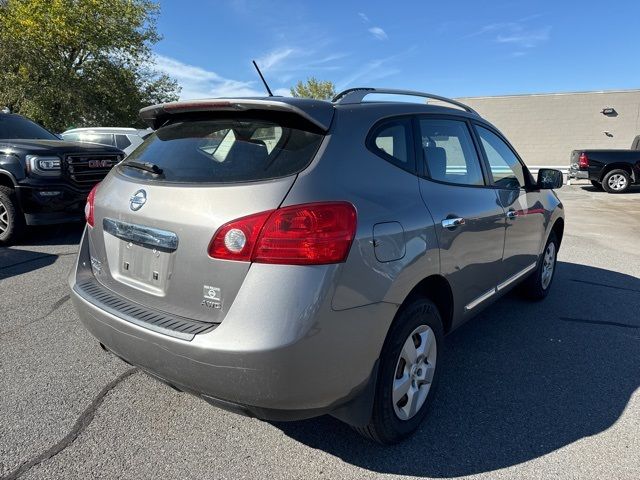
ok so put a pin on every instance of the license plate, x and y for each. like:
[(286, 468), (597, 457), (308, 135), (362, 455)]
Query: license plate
[(144, 264)]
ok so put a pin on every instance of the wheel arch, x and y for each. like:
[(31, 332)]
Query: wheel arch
[(558, 229), (6, 179), (437, 289), (618, 166)]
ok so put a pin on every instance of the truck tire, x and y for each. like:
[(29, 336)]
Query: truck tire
[(408, 359), (597, 185), (616, 181), (12, 224)]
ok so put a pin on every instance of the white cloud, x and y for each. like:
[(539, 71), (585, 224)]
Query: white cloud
[(275, 58), (364, 17), (516, 33), (197, 82), (525, 38), (378, 33)]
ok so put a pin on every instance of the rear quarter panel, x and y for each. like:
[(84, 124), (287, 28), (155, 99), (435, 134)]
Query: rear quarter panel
[(346, 170)]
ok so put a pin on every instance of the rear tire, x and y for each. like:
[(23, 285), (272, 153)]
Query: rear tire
[(616, 181), (11, 219), (597, 185), (405, 388), (538, 285)]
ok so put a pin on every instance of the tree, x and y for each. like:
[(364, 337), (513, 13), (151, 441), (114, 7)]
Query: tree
[(80, 62), (312, 88)]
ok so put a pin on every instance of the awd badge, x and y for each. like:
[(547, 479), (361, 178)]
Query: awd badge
[(211, 297)]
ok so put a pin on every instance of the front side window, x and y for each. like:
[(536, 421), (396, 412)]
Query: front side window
[(224, 150), (506, 169), (391, 141), (448, 152)]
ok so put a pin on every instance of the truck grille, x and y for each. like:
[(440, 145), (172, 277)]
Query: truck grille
[(87, 170)]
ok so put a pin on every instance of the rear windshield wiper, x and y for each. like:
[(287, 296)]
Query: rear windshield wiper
[(146, 166)]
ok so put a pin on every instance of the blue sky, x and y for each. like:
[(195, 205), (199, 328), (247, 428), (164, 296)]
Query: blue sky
[(454, 48)]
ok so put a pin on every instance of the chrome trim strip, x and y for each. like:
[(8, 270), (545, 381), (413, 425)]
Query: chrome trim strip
[(515, 277), (480, 299), (141, 235)]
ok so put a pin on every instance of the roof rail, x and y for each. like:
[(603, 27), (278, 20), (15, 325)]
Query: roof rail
[(356, 95)]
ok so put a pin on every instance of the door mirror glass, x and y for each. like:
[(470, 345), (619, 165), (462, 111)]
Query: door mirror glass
[(549, 178)]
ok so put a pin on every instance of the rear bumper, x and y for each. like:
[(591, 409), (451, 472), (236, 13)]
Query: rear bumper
[(578, 174), (276, 361)]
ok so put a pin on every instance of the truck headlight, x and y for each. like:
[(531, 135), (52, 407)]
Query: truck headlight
[(46, 166)]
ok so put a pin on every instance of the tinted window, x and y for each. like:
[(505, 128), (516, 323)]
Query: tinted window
[(391, 141), (15, 126), (89, 137), (449, 153), (225, 150), (506, 169), (122, 141)]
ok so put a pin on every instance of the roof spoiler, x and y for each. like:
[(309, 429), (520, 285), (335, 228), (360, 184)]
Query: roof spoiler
[(316, 112)]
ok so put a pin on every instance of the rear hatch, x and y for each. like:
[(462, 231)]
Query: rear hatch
[(157, 212)]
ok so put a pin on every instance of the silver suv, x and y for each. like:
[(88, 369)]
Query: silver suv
[(286, 258)]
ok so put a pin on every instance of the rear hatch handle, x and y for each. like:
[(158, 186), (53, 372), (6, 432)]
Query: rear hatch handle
[(163, 240)]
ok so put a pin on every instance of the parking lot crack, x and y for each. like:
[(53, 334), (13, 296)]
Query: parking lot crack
[(599, 322), (53, 308), (80, 425)]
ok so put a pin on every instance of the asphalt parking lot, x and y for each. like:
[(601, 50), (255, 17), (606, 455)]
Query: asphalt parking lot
[(529, 390)]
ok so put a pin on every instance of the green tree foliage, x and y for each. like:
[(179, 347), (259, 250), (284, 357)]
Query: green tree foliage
[(313, 88), (73, 63)]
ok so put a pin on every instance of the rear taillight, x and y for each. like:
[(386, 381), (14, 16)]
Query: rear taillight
[(89, 207), (583, 161), (308, 234)]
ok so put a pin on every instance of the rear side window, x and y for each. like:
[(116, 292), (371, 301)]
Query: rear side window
[(90, 137), (448, 151), (224, 151), (122, 141), (391, 141)]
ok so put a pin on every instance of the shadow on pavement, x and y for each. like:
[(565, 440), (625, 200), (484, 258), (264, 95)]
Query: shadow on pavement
[(519, 381), (64, 234), (591, 188), (17, 259)]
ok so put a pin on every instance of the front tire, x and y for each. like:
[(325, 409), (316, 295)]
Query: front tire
[(11, 218), (616, 181), (538, 285), (408, 374)]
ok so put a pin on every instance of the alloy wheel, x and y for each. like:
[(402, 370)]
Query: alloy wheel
[(414, 372), (617, 182), (548, 264), (4, 219)]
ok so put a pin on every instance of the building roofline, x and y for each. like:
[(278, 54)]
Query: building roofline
[(558, 94)]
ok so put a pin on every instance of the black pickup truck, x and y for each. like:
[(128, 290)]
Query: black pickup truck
[(44, 180), (611, 170)]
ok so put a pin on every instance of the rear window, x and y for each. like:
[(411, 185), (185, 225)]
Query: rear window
[(14, 126), (224, 151)]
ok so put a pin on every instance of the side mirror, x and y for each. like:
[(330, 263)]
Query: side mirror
[(549, 178)]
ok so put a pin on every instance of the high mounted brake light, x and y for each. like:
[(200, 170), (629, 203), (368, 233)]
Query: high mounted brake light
[(198, 106), (307, 234)]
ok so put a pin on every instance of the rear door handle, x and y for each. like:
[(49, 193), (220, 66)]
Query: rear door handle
[(512, 214), (453, 222)]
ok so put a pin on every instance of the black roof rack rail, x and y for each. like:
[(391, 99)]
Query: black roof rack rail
[(356, 95)]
